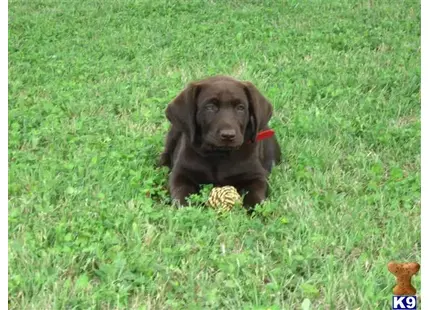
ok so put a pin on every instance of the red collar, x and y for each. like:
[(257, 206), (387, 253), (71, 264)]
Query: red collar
[(265, 134)]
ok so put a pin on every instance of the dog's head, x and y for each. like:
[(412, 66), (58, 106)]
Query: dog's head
[(220, 113)]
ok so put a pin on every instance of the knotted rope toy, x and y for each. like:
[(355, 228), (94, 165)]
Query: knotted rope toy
[(224, 198)]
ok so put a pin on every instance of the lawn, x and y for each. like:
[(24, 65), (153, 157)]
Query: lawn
[(90, 222)]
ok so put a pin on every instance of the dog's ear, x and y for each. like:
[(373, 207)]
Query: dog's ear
[(181, 111), (251, 129), (260, 109)]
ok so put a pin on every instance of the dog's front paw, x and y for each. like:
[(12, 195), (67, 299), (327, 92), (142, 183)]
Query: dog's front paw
[(252, 199), (256, 193), (180, 189), (177, 204)]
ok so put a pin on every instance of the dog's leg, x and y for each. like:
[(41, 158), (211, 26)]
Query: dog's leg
[(180, 188)]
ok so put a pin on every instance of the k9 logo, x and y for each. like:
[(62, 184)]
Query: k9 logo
[(404, 302)]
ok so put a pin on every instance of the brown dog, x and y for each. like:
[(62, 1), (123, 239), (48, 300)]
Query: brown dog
[(212, 139)]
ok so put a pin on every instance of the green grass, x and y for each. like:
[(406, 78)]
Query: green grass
[(90, 225)]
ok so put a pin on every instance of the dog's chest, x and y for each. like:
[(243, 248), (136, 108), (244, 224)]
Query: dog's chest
[(218, 172), (221, 170), (232, 172), (226, 172)]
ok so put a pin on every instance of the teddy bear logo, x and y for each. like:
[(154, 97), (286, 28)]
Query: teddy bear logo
[(403, 273)]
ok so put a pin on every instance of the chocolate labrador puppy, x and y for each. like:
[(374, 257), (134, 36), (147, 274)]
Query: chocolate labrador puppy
[(213, 139)]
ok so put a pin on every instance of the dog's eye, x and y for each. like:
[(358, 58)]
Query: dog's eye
[(211, 107), (240, 107)]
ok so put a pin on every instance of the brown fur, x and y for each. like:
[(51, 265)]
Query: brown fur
[(212, 121)]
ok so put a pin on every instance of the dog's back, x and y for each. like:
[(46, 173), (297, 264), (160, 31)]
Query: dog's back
[(270, 153), (172, 140)]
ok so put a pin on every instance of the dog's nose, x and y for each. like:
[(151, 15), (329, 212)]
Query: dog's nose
[(228, 134)]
